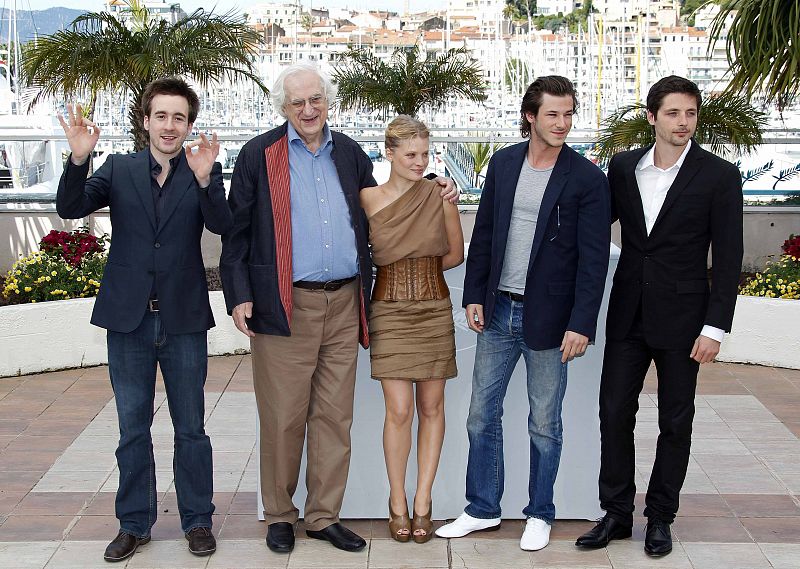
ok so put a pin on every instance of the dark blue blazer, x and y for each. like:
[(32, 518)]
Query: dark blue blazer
[(253, 262), (142, 252), (569, 256)]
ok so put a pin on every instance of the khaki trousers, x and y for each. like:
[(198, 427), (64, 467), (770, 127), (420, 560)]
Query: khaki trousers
[(306, 382)]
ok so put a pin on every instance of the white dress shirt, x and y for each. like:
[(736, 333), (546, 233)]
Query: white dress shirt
[(653, 185)]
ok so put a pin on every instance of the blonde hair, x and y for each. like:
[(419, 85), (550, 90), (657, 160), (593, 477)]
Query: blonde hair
[(404, 127)]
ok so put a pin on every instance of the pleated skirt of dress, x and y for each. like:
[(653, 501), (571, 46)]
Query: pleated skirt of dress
[(413, 340)]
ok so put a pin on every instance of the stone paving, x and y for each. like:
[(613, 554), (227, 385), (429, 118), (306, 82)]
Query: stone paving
[(740, 508)]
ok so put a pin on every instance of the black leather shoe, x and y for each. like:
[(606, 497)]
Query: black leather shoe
[(606, 529), (657, 539), (201, 541), (123, 546), (280, 537), (340, 537)]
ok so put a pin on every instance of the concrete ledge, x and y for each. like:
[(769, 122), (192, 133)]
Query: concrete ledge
[(57, 335), (764, 332)]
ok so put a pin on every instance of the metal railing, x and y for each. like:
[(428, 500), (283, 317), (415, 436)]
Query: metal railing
[(37, 182)]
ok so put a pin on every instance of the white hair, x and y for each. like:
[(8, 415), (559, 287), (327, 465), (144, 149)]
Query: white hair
[(278, 92)]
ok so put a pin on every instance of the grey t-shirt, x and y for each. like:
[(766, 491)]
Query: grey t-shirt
[(524, 214)]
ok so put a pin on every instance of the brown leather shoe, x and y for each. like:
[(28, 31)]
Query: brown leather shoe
[(422, 527), (201, 541), (123, 546)]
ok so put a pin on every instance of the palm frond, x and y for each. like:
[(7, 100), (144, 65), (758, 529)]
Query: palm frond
[(98, 53), (626, 128), (409, 81), (727, 124), (786, 174), (762, 46), (755, 173)]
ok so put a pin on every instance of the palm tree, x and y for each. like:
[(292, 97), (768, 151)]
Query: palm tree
[(481, 153), (727, 123), (763, 47), (99, 53), (408, 82)]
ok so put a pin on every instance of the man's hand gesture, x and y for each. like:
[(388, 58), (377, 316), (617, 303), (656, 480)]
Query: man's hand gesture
[(200, 155), (82, 134)]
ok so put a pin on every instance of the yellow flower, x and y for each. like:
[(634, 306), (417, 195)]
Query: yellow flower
[(54, 273), (47, 279), (28, 289)]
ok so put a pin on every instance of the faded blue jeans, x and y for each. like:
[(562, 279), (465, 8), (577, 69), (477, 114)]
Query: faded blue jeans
[(497, 353), (132, 360)]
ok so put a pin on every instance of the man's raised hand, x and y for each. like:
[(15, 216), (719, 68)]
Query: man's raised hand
[(82, 134), (200, 155)]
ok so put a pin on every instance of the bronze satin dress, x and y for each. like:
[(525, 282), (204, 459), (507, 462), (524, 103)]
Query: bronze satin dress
[(411, 330)]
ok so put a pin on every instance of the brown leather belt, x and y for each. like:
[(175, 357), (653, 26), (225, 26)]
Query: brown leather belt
[(411, 279), (324, 285)]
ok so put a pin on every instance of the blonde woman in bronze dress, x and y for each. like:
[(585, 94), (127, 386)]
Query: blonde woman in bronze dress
[(415, 235)]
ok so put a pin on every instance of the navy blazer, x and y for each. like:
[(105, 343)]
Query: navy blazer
[(255, 261), (141, 252), (665, 273), (569, 255)]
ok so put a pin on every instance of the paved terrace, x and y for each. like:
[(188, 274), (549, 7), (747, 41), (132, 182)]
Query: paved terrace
[(740, 508)]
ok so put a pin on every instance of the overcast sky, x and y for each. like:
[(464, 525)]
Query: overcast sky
[(224, 5)]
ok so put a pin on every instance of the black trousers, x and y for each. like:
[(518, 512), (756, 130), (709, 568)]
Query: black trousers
[(625, 364)]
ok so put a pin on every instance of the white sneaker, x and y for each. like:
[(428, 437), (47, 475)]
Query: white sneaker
[(536, 535), (465, 524)]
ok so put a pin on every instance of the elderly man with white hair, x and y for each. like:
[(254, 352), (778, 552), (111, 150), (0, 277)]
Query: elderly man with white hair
[(297, 275)]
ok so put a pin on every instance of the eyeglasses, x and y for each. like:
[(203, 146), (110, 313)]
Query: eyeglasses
[(316, 101)]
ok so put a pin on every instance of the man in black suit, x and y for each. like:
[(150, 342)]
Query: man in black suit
[(153, 299), (672, 199)]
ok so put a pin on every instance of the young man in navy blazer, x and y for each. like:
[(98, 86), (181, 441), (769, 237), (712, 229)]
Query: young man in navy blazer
[(673, 199), (153, 299), (535, 275)]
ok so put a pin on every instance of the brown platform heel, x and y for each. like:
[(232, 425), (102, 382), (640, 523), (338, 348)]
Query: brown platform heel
[(423, 523), (398, 523)]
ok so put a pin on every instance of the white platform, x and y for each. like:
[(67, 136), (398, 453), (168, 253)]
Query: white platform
[(576, 486)]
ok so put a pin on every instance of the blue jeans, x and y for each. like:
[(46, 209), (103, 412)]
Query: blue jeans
[(132, 359), (496, 355)]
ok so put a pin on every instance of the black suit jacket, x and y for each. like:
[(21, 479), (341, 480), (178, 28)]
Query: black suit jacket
[(569, 255), (141, 252), (666, 272)]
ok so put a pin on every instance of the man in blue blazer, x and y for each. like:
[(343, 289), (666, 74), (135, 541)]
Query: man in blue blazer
[(535, 275), (153, 299)]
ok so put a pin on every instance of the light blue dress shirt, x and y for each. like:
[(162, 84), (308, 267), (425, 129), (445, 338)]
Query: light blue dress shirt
[(323, 240)]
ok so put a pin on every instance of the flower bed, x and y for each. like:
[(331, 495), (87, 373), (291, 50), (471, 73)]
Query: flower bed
[(780, 279), (67, 265), (765, 323)]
